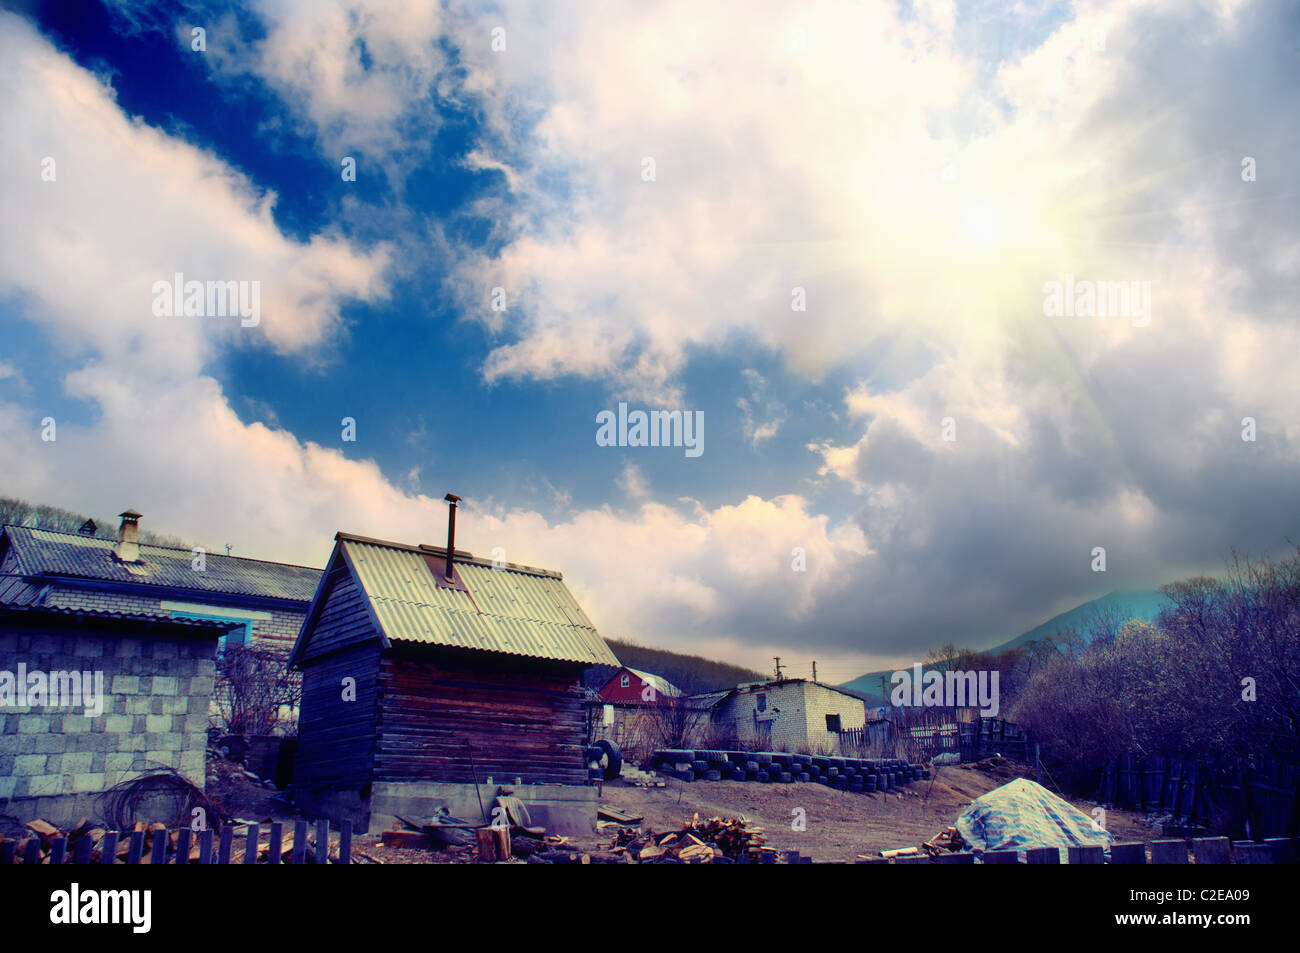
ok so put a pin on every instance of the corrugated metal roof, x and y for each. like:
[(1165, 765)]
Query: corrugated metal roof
[(661, 684), (43, 552), (513, 610)]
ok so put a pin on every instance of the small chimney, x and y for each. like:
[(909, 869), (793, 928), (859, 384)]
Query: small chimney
[(453, 499), (128, 537)]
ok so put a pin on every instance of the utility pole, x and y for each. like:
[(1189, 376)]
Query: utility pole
[(777, 660), (814, 670)]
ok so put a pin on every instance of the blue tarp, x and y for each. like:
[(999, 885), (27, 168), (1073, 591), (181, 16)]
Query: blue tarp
[(1022, 814)]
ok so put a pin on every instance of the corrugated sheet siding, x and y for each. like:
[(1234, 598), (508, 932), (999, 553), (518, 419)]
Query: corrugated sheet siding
[(513, 612)]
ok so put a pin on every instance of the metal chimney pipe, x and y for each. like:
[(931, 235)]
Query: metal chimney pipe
[(453, 499)]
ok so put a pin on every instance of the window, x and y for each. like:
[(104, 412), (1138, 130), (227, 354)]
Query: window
[(833, 723), (625, 681), (762, 703)]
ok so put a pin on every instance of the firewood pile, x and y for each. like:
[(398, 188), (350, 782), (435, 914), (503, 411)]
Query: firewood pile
[(945, 842), (712, 841)]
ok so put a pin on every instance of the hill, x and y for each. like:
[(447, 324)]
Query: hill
[(1120, 605), (691, 673)]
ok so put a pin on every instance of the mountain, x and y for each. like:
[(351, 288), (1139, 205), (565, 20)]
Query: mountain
[(1121, 605)]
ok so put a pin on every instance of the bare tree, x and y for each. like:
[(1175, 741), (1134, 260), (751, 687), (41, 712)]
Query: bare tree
[(255, 691)]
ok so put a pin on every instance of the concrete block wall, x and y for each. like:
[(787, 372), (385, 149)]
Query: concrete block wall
[(818, 702), (155, 714)]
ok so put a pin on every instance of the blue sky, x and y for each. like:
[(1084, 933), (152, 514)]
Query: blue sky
[(917, 172)]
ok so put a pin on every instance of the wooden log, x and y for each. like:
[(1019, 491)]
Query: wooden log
[(408, 840)]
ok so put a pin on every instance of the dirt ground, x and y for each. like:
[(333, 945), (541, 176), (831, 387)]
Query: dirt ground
[(840, 824)]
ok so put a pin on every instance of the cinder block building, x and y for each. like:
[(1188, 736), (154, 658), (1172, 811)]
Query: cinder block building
[(791, 714), (108, 657)]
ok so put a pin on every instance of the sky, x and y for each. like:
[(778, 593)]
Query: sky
[(862, 243)]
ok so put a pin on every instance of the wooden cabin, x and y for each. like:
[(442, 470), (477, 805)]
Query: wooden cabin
[(412, 673)]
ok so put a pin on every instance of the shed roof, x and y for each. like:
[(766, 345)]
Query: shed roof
[(661, 684), (45, 553), (509, 608)]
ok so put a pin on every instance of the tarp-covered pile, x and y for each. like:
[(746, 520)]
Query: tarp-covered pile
[(1021, 815)]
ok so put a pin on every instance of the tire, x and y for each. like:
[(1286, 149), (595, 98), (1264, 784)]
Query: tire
[(804, 777), (751, 766), (763, 777), (786, 777), (673, 756), (699, 765), (612, 756), (713, 775)]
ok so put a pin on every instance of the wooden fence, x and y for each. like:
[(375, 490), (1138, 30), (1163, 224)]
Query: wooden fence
[(1203, 850), (938, 732), (210, 848), (1246, 800)]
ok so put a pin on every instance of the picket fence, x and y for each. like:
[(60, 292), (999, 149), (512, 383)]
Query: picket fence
[(213, 849)]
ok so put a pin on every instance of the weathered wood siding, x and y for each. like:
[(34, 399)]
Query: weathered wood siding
[(336, 738), (446, 717)]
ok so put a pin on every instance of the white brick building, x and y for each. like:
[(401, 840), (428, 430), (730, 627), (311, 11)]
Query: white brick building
[(793, 714)]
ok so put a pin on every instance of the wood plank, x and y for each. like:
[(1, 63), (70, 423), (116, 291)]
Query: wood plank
[(322, 842), (1000, 857), (1090, 854), (299, 855), (82, 850), (159, 854), (1252, 853), (275, 844), (183, 838), (1128, 854), (205, 846), (136, 849), (58, 849), (227, 838), (1212, 850), (345, 842), (108, 848), (1043, 855), (1169, 852), (251, 843)]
